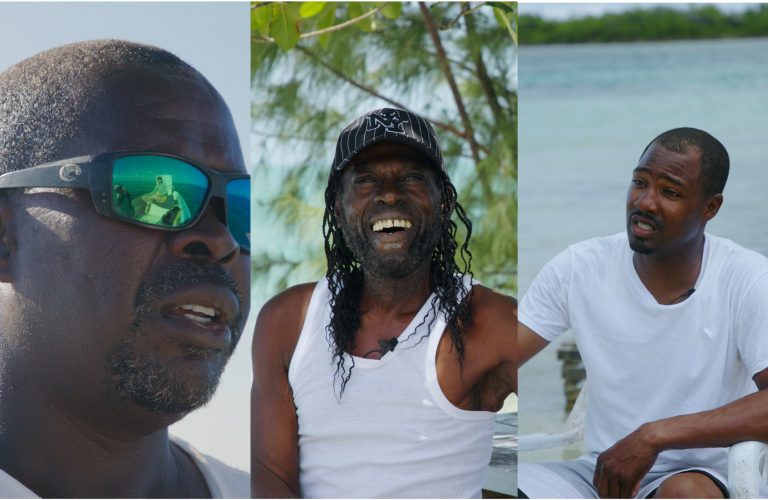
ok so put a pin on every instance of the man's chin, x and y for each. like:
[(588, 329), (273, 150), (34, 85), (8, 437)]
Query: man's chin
[(391, 265), (167, 390), (640, 247)]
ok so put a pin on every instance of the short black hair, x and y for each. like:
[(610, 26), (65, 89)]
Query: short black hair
[(47, 100), (715, 163)]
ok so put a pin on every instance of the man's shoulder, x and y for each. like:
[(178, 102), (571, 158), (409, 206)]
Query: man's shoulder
[(289, 300), (600, 246), (287, 309), (280, 322), (494, 316), (588, 256), (223, 480), (731, 260), (723, 248), (487, 302)]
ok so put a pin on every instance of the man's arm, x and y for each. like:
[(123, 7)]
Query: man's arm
[(274, 425), (529, 343), (488, 373), (621, 467), (495, 319)]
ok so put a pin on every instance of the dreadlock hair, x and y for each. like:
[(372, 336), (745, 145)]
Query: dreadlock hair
[(345, 277)]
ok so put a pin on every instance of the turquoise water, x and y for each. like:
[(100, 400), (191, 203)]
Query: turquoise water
[(586, 114)]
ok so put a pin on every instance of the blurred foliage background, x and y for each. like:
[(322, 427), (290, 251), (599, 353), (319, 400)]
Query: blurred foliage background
[(316, 66), (642, 24)]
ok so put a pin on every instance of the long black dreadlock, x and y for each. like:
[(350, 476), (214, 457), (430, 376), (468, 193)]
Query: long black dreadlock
[(345, 277)]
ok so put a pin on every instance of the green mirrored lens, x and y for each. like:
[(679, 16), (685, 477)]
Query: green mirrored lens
[(157, 190), (239, 211)]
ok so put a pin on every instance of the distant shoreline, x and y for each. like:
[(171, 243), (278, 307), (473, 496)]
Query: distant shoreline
[(661, 24)]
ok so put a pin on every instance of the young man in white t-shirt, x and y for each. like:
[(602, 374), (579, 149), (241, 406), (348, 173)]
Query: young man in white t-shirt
[(671, 323)]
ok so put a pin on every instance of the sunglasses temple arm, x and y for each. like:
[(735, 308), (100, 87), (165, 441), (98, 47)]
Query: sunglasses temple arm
[(72, 173)]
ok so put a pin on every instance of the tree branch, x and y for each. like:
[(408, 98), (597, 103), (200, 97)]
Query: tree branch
[(330, 29), (432, 29), (482, 74), (424, 50), (343, 25), (465, 10), (442, 125)]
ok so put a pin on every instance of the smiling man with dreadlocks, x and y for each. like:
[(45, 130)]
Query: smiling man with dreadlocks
[(383, 379)]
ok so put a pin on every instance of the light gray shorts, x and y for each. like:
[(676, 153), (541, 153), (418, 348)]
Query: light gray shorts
[(573, 479)]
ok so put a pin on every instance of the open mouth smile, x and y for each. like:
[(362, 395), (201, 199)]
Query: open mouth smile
[(391, 225)]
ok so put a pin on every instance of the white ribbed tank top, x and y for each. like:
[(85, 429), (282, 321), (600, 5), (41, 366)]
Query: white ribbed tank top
[(393, 433)]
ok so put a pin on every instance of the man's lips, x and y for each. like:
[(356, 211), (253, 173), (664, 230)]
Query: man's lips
[(390, 230), (199, 315), (643, 226)]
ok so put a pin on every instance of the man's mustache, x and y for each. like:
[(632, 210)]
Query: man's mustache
[(655, 220), (170, 278)]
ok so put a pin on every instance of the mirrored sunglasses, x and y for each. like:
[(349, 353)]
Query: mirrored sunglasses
[(154, 190)]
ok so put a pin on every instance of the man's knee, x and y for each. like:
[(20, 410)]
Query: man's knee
[(689, 485)]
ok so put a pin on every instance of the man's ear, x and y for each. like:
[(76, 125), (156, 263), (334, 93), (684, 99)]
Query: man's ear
[(7, 242), (713, 206)]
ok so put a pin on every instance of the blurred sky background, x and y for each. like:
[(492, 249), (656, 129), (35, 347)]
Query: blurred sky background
[(213, 38)]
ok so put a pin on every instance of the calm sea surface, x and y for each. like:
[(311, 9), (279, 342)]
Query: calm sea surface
[(586, 114)]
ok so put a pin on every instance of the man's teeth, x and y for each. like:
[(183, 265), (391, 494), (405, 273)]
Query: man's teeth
[(199, 319), (202, 314), (644, 226), (388, 223)]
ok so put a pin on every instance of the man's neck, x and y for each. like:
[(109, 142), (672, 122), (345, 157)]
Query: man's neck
[(671, 276), (55, 453), (387, 305), (396, 295)]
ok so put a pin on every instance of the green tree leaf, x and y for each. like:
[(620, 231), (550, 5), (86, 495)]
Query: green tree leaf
[(357, 9), (260, 18), (506, 7), (392, 10), (505, 22), (311, 9), (326, 20), (283, 27)]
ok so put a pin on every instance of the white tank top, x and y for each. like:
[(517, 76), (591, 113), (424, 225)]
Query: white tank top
[(393, 433)]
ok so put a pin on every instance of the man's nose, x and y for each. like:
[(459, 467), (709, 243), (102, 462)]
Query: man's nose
[(209, 239), (647, 200), (390, 192)]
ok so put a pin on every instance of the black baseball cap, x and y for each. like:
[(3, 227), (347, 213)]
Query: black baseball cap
[(387, 125)]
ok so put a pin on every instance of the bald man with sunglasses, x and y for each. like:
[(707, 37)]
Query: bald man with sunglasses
[(117, 321)]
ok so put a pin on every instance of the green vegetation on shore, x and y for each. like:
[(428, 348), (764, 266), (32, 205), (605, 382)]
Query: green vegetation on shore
[(662, 23)]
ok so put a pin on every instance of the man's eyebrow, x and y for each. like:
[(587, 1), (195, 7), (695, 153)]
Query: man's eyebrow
[(664, 175), (642, 168), (674, 180)]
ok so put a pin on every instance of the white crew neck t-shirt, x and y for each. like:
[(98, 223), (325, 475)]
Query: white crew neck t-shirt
[(646, 361)]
